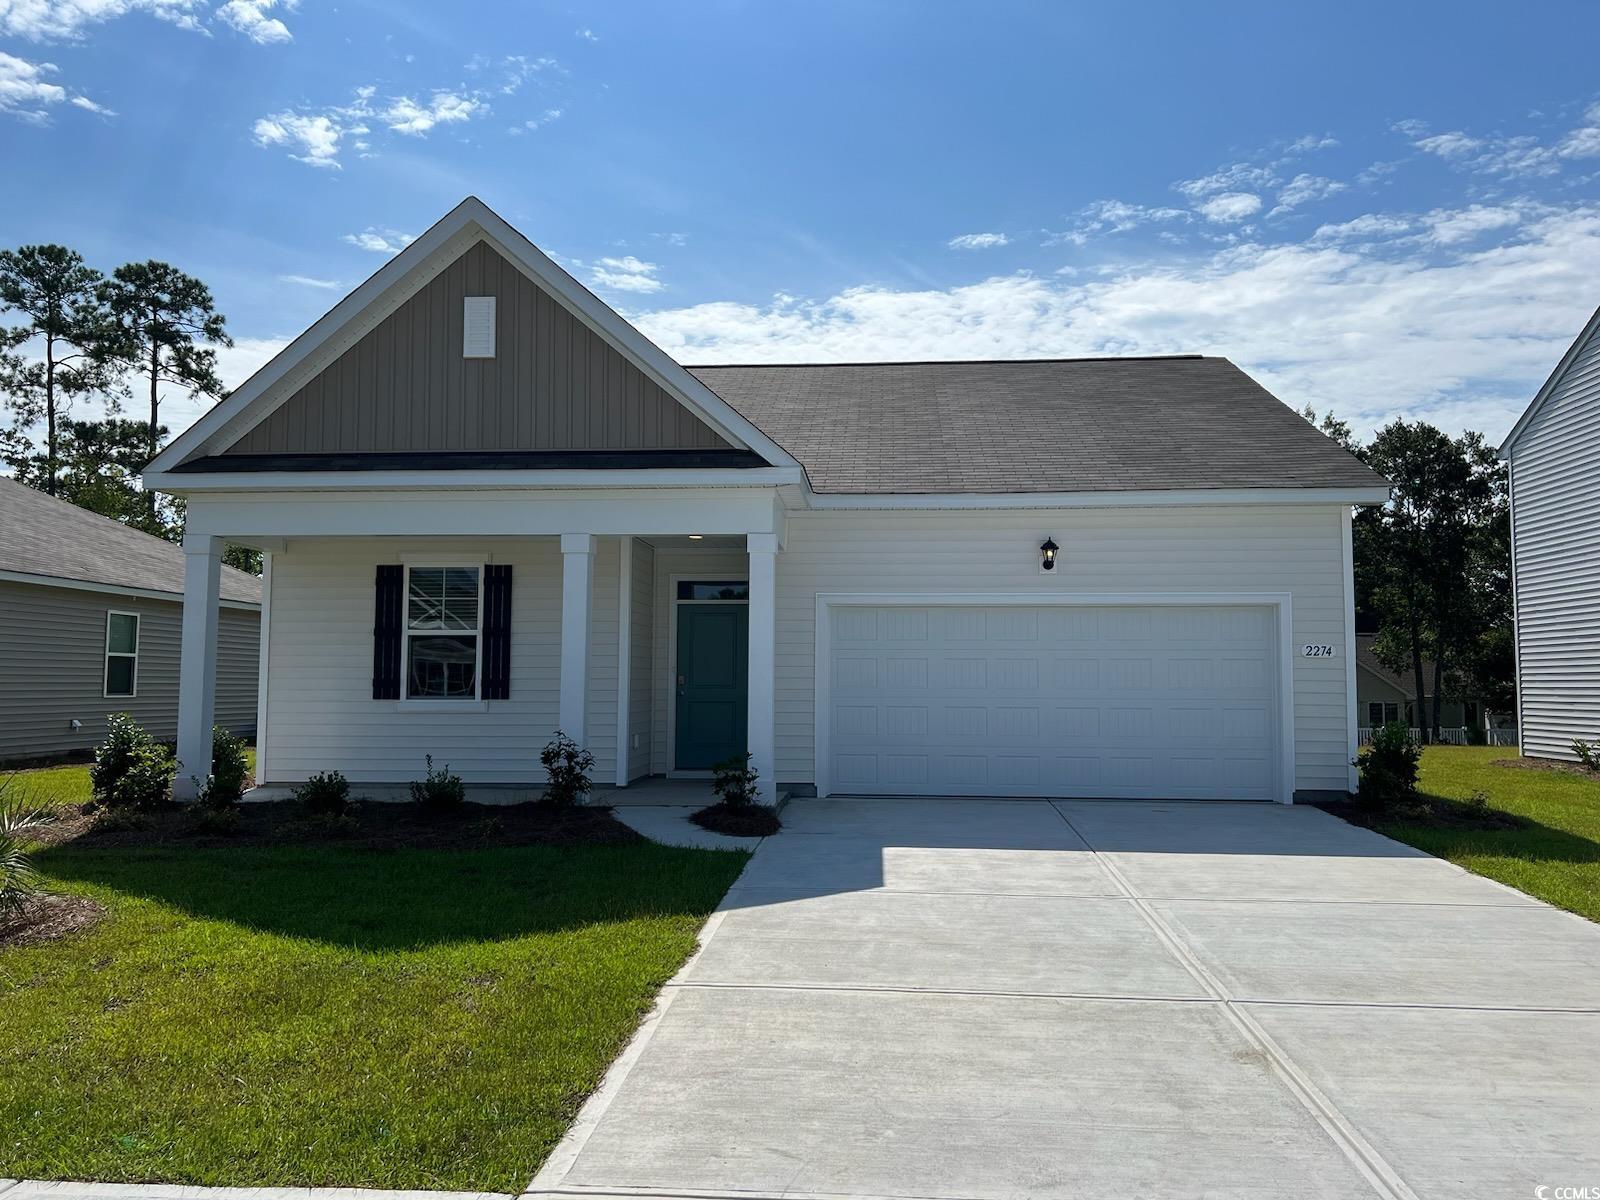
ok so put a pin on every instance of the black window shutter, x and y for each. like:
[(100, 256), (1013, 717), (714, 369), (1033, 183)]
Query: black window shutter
[(388, 631), (497, 631)]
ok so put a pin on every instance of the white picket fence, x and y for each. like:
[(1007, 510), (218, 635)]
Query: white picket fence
[(1454, 737)]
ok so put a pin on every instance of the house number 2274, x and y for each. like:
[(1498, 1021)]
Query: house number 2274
[(1316, 651)]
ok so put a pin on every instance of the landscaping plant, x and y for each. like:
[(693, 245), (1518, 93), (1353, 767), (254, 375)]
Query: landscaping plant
[(131, 769), (438, 789), (229, 771), (1388, 768), (1588, 754), (328, 792), (568, 765), (19, 881), (736, 812)]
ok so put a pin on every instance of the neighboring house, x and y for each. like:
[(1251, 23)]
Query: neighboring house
[(1553, 453), (1383, 695), (90, 615), (492, 508)]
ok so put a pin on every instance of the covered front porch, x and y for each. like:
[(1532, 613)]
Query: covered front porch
[(639, 622)]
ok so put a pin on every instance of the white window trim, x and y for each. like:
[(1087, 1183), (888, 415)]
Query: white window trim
[(738, 575), (441, 703), (105, 666)]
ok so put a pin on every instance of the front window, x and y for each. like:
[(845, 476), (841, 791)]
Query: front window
[(122, 654), (442, 633)]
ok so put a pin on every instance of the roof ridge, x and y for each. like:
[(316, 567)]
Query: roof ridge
[(957, 362)]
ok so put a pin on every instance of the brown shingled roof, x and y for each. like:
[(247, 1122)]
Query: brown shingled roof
[(1061, 425)]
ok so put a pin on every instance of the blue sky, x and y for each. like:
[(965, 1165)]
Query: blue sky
[(1379, 209)]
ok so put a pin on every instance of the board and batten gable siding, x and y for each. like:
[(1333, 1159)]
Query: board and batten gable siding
[(1293, 549), (1555, 514), (553, 384), (52, 668), (320, 711)]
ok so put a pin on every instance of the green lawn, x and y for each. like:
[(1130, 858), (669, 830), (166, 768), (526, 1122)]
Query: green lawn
[(1556, 858), (325, 1015), (67, 784)]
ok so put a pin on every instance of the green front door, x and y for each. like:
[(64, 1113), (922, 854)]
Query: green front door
[(711, 684)]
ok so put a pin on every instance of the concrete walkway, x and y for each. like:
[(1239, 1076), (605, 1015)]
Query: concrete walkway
[(975, 999)]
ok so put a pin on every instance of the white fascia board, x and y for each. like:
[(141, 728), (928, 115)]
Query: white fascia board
[(360, 311), (1550, 385), (1186, 498), (185, 482), (113, 589)]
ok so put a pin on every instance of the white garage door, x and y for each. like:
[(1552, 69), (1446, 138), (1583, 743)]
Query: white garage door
[(1159, 702)]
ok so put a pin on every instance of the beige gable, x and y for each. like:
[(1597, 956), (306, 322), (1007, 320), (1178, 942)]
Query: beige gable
[(552, 385)]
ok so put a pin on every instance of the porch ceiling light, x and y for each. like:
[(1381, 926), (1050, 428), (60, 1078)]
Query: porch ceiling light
[(695, 537), (1047, 555)]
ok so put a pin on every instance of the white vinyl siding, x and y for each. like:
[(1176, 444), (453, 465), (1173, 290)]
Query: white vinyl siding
[(1225, 550), (53, 641), (1555, 506), (320, 711)]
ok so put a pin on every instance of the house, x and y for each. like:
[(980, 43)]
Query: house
[(1553, 456), (492, 509), (1384, 695), (90, 616)]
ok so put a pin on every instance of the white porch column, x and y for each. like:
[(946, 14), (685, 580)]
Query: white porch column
[(197, 668), (624, 660), (577, 586), (762, 737)]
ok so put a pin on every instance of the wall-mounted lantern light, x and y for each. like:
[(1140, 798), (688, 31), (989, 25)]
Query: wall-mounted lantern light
[(1047, 555)]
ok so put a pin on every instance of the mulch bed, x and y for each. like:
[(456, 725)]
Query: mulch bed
[(738, 820), (370, 825), (1559, 766), (1437, 813), (48, 917)]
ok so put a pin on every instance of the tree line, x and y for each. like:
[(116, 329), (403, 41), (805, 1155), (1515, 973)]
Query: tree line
[(1433, 566), (123, 340)]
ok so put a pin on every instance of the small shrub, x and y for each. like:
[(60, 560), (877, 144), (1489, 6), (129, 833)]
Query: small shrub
[(568, 765), (1588, 754), (1388, 769), (327, 792), (438, 789), (1478, 802), (229, 771), (131, 769), (733, 782), (19, 880)]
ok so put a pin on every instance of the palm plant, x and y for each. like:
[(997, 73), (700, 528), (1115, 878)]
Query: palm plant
[(19, 880)]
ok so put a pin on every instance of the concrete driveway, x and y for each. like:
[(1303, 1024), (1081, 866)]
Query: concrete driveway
[(1101, 999)]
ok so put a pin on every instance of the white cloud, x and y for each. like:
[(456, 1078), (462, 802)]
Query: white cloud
[(328, 285), (545, 118), (65, 20), (625, 274), (27, 92), (1447, 227), (405, 115), (1368, 227), (518, 69), (1367, 337), (1230, 207), (1520, 157), (1303, 189), (1238, 177), (379, 240), (316, 137), (1310, 142), (587, 35), (1455, 145), (1115, 216), (978, 241), (250, 18)]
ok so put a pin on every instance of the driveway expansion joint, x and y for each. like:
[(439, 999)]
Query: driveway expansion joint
[(1361, 1153)]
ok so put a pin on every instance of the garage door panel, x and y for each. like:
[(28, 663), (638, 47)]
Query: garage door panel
[(1069, 701)]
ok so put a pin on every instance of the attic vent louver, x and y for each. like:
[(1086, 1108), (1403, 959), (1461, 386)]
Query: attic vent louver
[(477, 338)]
